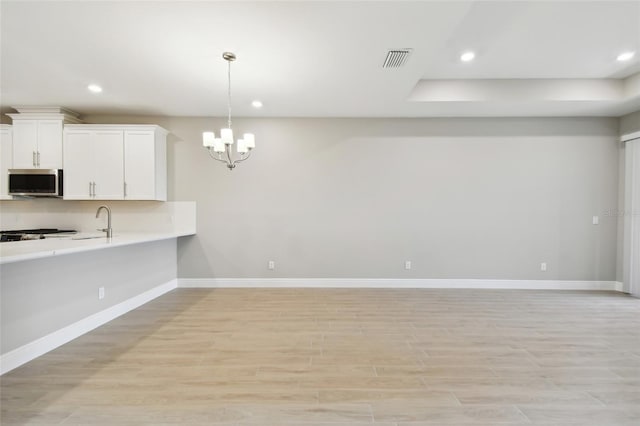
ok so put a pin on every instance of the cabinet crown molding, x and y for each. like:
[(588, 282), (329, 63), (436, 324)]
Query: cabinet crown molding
[(45, 110), (45, 113)]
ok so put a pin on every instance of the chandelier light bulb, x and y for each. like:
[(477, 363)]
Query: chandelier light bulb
[(227, 136), (208, 139), (249, 140), (242, 146), (218, 145)]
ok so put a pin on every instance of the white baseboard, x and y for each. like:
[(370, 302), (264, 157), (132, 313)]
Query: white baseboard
[(32, 350), (396, 283)]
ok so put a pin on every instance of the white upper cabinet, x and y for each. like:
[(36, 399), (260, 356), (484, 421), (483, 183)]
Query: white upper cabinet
[(6, 159), (78, 159), (37, 136), (37, 144), (145, 163), (108, 165), (115, 162), (93, 161), (49, 154), (93, 164)]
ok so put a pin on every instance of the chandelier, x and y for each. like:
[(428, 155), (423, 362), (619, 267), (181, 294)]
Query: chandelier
[(221, 149)]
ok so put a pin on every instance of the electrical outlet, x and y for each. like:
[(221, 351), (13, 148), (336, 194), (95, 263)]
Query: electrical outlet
[(595, 220), (543, 266), (272, 265), (407, 264), (101, 293)]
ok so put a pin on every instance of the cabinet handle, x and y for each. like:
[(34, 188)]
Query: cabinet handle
[(94, 189), (33, 158), (90, 191), (125, 189), (38, 157)]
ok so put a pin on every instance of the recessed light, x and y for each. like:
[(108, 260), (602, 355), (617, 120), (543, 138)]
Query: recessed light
[(256, 104), (94, 88), (625, 56), (467, 56)]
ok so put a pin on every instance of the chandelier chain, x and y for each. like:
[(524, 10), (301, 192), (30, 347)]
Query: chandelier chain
[(229, 93)]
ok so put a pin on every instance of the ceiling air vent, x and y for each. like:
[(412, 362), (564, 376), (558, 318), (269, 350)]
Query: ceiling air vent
[(396, 58)]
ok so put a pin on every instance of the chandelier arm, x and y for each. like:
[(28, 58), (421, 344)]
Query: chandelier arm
[(241, 159), (217, 158)]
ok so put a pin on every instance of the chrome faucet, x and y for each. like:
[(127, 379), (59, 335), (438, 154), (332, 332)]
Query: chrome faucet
[(108, 230)]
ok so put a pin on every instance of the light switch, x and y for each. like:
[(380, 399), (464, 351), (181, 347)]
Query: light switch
[(596, 220)]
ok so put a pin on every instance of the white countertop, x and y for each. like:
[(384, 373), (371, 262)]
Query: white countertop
[(17, 251)]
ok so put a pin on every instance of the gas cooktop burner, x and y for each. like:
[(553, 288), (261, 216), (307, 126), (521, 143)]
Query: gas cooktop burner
[(31, 234), (39, 231)]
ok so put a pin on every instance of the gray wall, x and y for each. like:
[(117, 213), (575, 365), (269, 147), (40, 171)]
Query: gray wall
[(355, 198), (630, 123), (44, 295)]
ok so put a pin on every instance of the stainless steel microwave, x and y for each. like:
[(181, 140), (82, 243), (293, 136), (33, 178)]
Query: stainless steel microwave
[(35, 182)]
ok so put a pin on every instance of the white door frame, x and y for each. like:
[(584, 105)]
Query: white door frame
[(631, 214)]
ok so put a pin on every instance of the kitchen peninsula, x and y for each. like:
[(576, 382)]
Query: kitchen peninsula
[(36, 249), (55, 289)]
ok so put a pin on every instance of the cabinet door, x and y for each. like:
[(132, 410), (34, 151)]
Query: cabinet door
[(109, 164), (139, 165), (78, 161), (49, 151), (5, 162), (25, 135)]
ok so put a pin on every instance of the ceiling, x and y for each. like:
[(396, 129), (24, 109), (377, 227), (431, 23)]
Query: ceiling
[(322, 59)]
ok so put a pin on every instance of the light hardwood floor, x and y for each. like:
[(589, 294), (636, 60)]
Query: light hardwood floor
[(345, 357)]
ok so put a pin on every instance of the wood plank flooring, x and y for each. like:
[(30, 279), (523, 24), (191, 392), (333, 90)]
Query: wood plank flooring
[(334, 357)]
